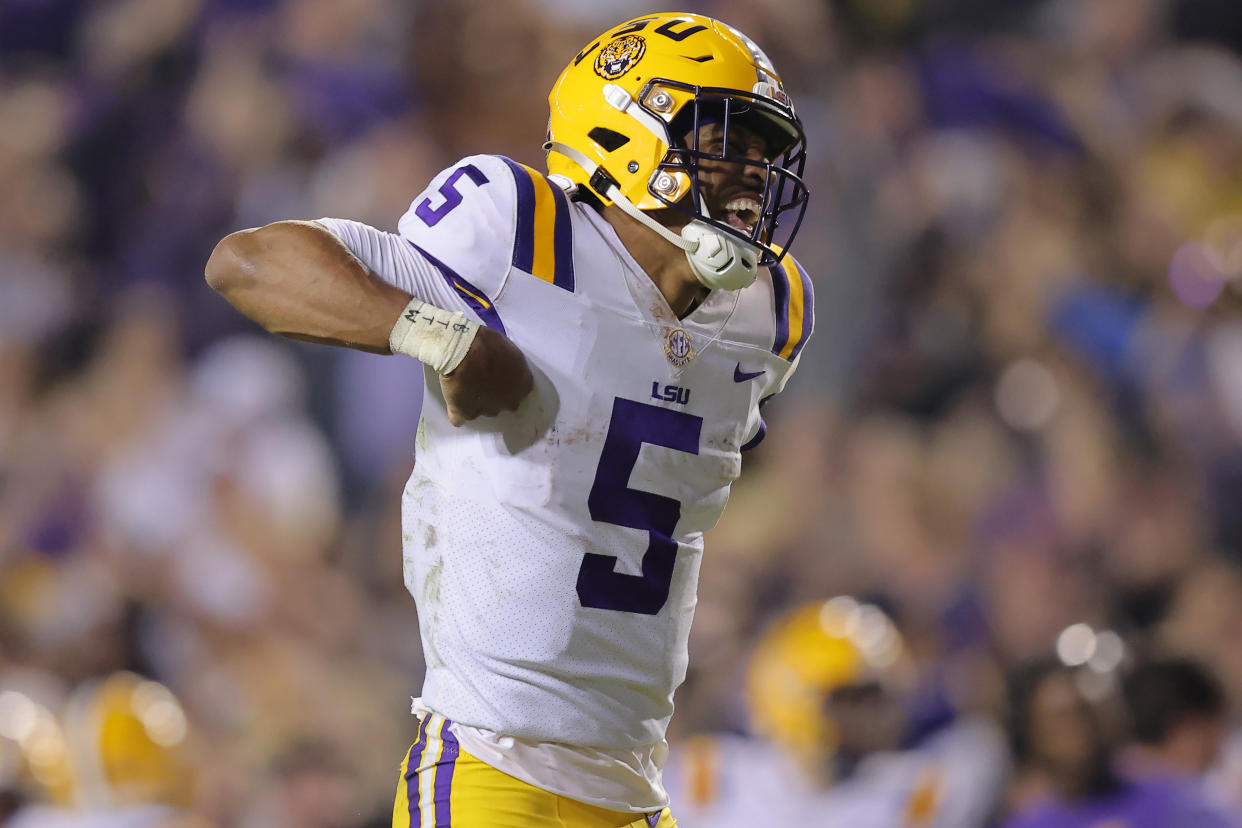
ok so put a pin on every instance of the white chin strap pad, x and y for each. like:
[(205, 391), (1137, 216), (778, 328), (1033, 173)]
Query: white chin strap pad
[(719, 261)]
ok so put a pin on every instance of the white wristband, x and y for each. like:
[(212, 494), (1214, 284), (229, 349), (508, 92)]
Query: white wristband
[(434, 336)]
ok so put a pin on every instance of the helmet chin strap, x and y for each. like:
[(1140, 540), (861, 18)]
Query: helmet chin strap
[(718, 260)]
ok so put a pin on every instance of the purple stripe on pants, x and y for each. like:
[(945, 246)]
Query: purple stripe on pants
[(444, 775), (411, 771)]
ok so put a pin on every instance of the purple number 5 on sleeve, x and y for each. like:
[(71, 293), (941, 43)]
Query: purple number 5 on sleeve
[(431, 216)]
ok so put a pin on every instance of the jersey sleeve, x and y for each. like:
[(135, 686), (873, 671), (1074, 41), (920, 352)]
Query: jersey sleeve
[(456, 244), (793, 307), (793, 299), (488, 216), (466, 221), (395, 261)]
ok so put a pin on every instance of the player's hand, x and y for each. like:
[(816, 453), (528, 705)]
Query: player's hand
[(494, 377)]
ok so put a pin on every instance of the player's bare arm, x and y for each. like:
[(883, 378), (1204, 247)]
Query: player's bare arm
[(299, 281)]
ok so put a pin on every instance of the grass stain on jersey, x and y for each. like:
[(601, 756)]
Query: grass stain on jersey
[(430, 539), (430, 606)]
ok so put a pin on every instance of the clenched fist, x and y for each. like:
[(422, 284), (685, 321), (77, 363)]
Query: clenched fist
[(494, 377)]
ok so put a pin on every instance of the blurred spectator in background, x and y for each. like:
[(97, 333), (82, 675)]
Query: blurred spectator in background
[(1066, 734), (1178, 716), (312, 789)]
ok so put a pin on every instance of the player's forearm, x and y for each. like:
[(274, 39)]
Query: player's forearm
[(298, 280)]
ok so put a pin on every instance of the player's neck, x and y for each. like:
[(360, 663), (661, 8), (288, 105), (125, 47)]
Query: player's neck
[(663, 262)]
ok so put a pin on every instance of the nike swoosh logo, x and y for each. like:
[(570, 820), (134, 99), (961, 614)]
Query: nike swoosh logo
[(743, 376)]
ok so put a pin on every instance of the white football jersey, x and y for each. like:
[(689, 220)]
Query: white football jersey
[(727, 780), (954, 780), (554, 552)]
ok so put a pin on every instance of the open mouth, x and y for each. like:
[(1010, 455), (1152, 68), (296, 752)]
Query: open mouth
[(742, 213)]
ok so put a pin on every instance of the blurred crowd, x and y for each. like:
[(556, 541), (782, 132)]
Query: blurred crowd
[(1016, 435)]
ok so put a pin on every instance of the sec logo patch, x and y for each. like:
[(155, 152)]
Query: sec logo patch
[(678, 347)]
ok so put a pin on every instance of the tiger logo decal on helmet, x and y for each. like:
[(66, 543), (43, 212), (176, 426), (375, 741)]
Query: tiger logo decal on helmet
[(620, 56)]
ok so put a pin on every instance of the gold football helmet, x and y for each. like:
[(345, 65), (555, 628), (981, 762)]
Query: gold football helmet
[(809, 653), (116, 742), (625, 127), (126, 737)]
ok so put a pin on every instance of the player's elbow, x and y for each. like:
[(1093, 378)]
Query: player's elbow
[(234, 262)]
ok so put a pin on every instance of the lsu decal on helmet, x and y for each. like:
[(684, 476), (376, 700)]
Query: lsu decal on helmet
[(627, 116), (805, 656)]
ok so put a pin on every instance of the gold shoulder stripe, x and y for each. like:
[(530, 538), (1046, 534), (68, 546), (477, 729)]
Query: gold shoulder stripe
[(543, 244), (794, 301)]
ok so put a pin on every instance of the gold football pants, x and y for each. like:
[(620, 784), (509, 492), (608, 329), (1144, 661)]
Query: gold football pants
[(442, 786)]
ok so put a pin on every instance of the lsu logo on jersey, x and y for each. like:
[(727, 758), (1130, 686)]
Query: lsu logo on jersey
[(670, 393), (620, 56)]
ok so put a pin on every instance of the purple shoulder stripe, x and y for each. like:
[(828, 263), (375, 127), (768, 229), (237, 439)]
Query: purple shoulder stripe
[(478, 301), (563, 241), (524, 237), (780, 297)]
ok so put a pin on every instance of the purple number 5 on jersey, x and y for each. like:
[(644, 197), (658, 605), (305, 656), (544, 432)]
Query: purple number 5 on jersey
[(431, 216)]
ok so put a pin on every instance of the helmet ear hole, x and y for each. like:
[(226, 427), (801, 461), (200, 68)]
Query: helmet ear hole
[(609, 139)]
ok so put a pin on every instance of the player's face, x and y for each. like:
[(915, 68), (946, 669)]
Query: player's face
[(733, 190), (868, 718)]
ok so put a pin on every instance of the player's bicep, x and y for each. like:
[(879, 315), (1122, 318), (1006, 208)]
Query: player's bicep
[(395, 261)]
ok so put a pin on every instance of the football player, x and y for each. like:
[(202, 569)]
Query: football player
[(826, 688), (596, 343)]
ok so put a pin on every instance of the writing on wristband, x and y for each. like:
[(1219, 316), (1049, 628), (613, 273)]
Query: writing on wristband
[(435, 336)]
